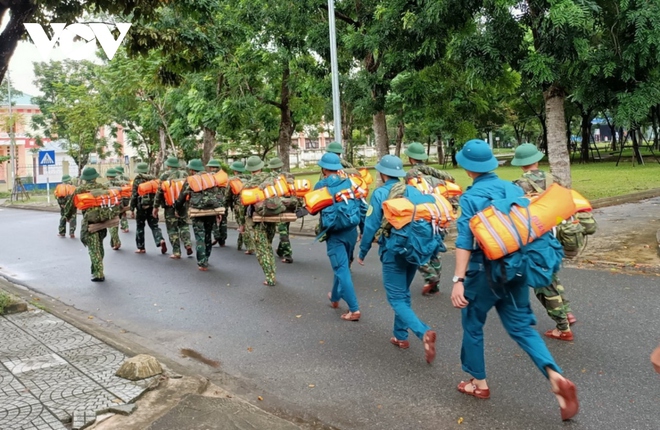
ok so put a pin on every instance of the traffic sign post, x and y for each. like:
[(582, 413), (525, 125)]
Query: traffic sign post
[(47, 158)]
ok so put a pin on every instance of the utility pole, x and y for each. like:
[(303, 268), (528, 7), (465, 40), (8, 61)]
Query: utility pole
[(336, 109), (12, 167)]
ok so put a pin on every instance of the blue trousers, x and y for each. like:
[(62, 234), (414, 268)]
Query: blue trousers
[(398, 274), (513, 307), (340, 248)]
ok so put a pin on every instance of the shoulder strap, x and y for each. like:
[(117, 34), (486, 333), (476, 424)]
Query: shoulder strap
[(536, 186)]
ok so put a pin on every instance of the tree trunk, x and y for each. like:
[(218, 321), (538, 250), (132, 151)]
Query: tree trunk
[(558, 155), (400, 131), (585, 128), (654, 120), (380, 134), (440, 147), (635, 143), (286, 119), (209, 145), (347, 132), (21, 12), (613, 131), (160, 156)]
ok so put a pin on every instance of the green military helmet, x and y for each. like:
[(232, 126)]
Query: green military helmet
[(89, 174), (172, 162), (66, 179), (254, 164), (196, 165), (111, 173), (237, 166), (213, 163), (392, 166), (275, 163), (334, 147), (526, 155), (416, 151), (142, 168), (119, 170)]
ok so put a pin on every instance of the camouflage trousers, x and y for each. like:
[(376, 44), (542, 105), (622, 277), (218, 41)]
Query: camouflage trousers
[(72, 223), (220, 230), (431, 272), (142, 217), (203, 229), (114, 237), (123, 222), (177, 230), (94, 244), (284, 248), (556, 305), (259, 234)]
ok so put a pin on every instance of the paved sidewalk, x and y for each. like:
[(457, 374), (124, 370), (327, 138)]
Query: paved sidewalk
[(52, 374)]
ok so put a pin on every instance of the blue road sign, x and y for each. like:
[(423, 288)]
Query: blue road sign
[(46, 158)]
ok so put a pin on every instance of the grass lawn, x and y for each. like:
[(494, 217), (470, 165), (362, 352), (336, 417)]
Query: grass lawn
[(594, 180)]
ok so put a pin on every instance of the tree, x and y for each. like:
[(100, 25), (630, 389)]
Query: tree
[(72, 108), (46, 11)]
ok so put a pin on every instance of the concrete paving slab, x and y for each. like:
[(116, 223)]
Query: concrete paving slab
[(210, 413)]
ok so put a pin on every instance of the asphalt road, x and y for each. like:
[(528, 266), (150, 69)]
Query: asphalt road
[(288, 343)]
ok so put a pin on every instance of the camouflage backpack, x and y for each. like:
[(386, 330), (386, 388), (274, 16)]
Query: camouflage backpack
[(205, 193), (109, 210), (571, 235), (587, 222), (275, 205)]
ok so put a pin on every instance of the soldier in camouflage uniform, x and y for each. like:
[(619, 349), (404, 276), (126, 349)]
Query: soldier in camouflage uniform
[(433, 269), (233, 201), (144, 212), (202, 226), (219, 230), (177, 226), (284, 250), (65, 217), (113, 181), (93, 241), (260, 231), (123, 219), (534, 181)]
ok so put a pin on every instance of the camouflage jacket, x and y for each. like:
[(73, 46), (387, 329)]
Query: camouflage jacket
[(424, 170), (166, 176), (254, 180), (535, 181), (140, 178), (70, 208)]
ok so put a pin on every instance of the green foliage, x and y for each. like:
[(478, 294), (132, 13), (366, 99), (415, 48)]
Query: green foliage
[(5, 300)]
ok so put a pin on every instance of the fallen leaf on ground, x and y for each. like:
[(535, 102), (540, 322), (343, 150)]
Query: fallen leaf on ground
[(117, 401), (250, 349), (460, 420), (260, 398), (298, 316), (90, 317), (321, 342), (311, 385)]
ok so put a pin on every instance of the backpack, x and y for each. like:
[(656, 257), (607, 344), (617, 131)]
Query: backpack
[(107, 205), (344, 214), (587, 222), (277, 197), (536, 260), (571, 235), (147, 190), (204, 191), (419, 240)]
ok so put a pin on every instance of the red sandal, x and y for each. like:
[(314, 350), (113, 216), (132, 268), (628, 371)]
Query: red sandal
[(403, 344), (477, 392), (568, 392), (351, 316), (429, 346), (333, 305)]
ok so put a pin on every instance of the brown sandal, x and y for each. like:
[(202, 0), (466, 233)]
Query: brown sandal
[(476, 391), (429, 346), (175, 256), (403, 344), (140, 251), (351, 316), (333, 305)]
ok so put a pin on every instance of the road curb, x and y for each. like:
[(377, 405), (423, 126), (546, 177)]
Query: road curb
[(626, 198)]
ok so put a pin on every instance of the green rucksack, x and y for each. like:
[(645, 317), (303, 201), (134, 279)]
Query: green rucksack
[(571, 234), (588, 222), (111, 209), (275, 205)]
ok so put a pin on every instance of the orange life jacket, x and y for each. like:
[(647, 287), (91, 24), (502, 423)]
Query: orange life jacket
[(364, 173), (64, 190), (251, 196), (496, 233), (172, 190), (84, 201), (448, 190), (581, 203), (236, 185), (280, 188), (149, 187), (126, 191), (300, 187), (321, 198), (401, 211), (201, 182), (421, 184), (221, 178)]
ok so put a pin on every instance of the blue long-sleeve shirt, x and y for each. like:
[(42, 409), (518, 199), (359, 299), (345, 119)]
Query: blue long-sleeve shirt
[(477, 197), (374, 216)]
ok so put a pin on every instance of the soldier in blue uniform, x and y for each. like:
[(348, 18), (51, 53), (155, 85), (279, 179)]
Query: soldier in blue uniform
[(398, 274), (475, 294)]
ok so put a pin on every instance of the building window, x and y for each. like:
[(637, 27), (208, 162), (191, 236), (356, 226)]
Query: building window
[(311, 144)]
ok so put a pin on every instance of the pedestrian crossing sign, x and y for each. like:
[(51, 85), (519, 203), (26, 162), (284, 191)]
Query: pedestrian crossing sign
[(46, 158)]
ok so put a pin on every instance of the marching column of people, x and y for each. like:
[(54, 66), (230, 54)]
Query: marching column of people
[(350, 222)]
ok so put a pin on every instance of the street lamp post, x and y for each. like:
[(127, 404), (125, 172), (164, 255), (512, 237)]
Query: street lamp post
[(336, 109)]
